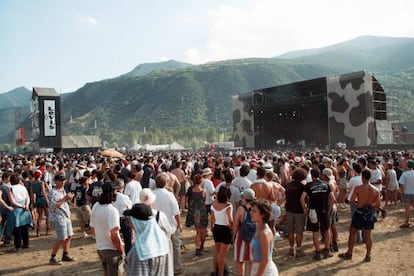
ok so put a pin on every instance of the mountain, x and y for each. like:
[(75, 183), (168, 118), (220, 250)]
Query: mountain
[(14, 108), (167, 101), (17, 97), (371, 53), (147, 68)]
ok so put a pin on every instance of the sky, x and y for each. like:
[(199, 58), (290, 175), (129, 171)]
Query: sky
[(66, 43)]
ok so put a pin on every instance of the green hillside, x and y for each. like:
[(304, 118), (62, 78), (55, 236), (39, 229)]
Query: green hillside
[(17, 97), (167, 101), (180, 103), (147, 68)]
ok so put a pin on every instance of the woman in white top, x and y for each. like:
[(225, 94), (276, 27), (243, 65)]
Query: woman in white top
[(221, 225), (392, 185)]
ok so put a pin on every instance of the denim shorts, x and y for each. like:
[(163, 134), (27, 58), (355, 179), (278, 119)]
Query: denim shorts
[(63, 229)]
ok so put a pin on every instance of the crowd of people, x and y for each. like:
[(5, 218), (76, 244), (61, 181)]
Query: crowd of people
[(133, 206)]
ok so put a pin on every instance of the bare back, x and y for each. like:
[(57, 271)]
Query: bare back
[(366, 194), (263, 190)]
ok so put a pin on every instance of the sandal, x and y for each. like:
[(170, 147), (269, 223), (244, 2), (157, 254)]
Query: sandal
[(405, 225), (345, 256)]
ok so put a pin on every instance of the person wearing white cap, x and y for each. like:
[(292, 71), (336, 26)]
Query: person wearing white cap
[(209, 188), (48, 176)]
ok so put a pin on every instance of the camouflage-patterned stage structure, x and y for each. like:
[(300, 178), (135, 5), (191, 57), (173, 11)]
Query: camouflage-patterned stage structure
[(349, 108)]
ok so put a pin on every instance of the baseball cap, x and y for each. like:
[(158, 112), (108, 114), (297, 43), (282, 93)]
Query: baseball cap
[(248, 194)]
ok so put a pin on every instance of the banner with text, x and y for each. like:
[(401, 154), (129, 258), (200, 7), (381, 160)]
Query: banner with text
[(50, 117)]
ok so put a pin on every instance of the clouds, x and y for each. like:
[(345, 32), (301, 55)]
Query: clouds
[(267, 28), (88, 20)]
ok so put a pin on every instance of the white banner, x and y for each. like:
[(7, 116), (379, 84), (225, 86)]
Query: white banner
[(50, 117)]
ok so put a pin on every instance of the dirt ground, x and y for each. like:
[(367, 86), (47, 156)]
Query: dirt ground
[(392, 254)]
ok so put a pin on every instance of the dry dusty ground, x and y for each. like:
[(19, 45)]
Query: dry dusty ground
[(392, 254)]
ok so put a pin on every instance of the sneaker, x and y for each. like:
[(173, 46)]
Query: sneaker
[(334, 247), (300, 252), (84, 234), (198, 252), (327, 253), (345, 256), (6, 243), (15, 250), (68, 258), (367, 258), (317, 256), (291, 252), (54, 261), (405, 225)]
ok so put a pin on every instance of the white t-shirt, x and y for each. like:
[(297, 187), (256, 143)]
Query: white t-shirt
[(166, 202), (48, 178), (237, 170), (122, 203), (132, 189), (164, 223), (104, 218), (19, 193), (151, 184), (407, 179), (241, 183), (209, 188), (252, 176), (354, 182), (375, 176)]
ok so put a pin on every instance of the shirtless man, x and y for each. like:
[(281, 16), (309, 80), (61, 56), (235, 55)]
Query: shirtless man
[(182, 178), (278, 190), (261, 187), (284, 172), (173, 184), (367, 199)]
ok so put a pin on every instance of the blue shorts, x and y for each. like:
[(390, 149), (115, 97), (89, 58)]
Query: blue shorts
[(409, 199), (63, 229)]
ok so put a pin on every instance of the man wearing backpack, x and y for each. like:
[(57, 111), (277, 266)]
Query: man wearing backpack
[(242, 251)]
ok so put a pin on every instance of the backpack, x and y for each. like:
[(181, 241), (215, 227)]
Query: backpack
[(248, 227)]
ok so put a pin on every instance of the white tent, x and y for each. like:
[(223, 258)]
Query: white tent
[(136, 147), (176, 146), (149, 147)]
